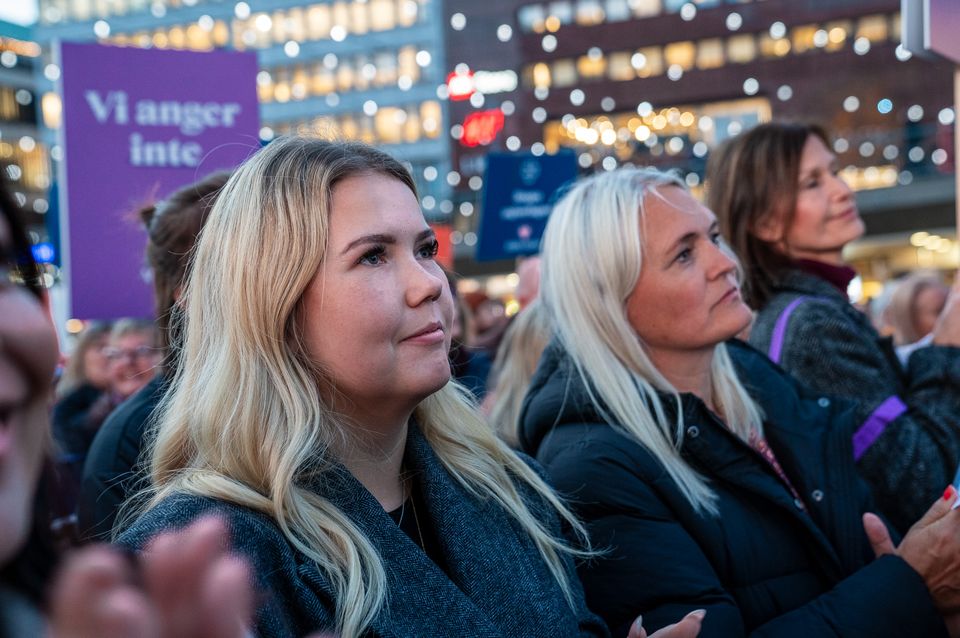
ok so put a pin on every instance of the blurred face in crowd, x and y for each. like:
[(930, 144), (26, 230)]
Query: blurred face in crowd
[(687, 298), (96, 365), (28, 356), (826, 217), (377, 315), (927, 306), (133, 357)]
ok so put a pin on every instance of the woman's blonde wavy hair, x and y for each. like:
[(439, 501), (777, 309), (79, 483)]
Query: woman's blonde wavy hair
[(592, 256), (246, 420)]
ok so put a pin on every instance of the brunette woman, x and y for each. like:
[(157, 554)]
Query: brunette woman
[(788, 215)]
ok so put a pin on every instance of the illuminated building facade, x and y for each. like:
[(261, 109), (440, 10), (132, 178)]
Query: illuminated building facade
[(662, 82), (356, 69), (23, 154)]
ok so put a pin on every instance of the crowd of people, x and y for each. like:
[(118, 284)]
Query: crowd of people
[(686, 429)]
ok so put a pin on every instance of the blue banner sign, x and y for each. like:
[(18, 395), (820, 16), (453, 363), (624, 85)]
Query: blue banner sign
[(519, 193)]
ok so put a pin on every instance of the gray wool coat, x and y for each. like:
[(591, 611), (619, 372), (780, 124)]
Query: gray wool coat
[(495, 583), (907, 444)]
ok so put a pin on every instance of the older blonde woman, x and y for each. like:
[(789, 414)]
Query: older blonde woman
[(712, 478)]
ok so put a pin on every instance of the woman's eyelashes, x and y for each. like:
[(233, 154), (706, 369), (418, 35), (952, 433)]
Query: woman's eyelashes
[(429, 249), (376, 255), (687, 253), (373, 256)]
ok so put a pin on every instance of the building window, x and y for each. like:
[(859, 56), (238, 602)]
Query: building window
[(837, 33), (388, 123), (645, 8), (617, 10), (562, 11), (683, 54), (804, 37), (322, 80), (874, 28), (741, 49), (532, 18), (620, 68), (318, 21), (773, 48), (430, 117), (589, 13), (590, 67), (564, 73), (541, 75), (710, 54), (383, 15), (648, 62)]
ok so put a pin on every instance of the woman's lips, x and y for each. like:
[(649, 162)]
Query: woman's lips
[(431, 334), (730, 295), (848, 213)]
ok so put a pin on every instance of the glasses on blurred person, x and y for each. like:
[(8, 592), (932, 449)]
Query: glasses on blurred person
[(140, 353)]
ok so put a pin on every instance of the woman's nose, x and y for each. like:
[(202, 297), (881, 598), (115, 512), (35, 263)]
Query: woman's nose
[(723, 262), (425, 284)]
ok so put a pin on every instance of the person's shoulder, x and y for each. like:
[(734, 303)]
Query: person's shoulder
[(248, 529), (119, 440)]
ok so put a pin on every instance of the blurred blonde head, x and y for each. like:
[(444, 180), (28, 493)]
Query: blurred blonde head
[(248, 418), (600, 222), (516, 361), (914, 306), (87, 364)]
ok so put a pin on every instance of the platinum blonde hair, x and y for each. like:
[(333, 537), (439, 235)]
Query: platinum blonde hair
[(246, 420), (599, 222)]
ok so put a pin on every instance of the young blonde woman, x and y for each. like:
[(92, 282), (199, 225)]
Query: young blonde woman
[(312, 411), (788, 214), (712, 479)]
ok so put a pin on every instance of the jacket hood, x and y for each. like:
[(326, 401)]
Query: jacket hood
[(557, 394)]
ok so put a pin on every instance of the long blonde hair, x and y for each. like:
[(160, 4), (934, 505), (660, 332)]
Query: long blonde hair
[(246, 420), (516, 361), (598, 222)]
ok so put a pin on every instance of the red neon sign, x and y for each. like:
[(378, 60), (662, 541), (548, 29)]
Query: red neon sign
[(460, 86), (481, 128)]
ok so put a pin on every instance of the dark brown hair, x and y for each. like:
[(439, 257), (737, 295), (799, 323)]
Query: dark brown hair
[(751, 178), (172, 229)]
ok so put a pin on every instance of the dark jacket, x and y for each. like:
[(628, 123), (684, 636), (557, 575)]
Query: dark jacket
[(113, 470), (70, 427), (769, 564), (494, 582), (907, 438)]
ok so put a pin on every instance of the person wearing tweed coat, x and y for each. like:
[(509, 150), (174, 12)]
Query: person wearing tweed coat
[(788, 215)]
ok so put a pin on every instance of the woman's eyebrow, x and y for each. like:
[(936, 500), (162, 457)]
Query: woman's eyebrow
[(369, 239)]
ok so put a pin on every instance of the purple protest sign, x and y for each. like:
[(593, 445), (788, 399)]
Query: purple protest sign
[(943, 28), (137, 125)]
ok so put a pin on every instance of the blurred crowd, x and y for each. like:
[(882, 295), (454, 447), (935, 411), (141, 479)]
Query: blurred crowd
[(683, 424)]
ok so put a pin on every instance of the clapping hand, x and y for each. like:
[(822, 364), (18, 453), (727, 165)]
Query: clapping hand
[(932, 548), (186, 585), (688, 627)]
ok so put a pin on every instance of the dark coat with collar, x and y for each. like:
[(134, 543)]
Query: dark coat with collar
[(114, 470), (907, 419), (495, 583), (768, 565)]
